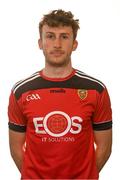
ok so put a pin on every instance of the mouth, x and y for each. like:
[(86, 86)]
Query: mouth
[(57, 53)]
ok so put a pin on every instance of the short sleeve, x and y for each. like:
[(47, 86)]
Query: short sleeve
[(17, 120), (102, 118)]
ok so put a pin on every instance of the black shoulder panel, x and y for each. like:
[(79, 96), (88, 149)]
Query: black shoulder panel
[(88, 83), (74, 82)]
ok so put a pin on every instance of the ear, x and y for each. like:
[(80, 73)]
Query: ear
[(40, 43), (75, 45)]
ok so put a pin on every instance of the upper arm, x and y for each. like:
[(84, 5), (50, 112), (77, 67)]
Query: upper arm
[(17, 120), (17, 124), (103, 139), (17, 147), (102, 121), (16, 140), (102, 118)]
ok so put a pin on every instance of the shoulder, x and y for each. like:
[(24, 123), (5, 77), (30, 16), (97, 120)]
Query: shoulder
[(25, 84), (88, 82)]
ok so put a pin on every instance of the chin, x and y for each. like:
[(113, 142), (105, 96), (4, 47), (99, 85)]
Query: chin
[(57, 64)]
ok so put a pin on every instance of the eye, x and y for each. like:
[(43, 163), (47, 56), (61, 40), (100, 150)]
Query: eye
[(64, 36), (50, 36)]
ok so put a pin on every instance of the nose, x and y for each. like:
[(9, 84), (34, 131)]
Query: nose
[(57, 43)]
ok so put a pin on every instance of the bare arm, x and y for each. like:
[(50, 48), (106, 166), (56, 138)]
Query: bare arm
[(103, 141), (16, 141)]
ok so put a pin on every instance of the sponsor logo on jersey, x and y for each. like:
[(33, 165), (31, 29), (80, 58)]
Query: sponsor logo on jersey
[(82, 93), (32, 97), (57, 139), (57, 124)]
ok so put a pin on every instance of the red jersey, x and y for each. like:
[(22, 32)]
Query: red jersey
[(59, 117)]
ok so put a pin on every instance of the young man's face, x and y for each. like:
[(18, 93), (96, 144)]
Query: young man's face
[(57, 44)]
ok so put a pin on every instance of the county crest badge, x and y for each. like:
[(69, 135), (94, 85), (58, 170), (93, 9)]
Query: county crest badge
[(82, 93)]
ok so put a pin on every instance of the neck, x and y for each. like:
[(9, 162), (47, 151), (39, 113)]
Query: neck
[(57, 72)]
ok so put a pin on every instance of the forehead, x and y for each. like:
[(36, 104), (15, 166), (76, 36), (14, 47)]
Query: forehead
[(57, 30)]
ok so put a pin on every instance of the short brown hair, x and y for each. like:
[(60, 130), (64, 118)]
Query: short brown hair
[(60, 18)]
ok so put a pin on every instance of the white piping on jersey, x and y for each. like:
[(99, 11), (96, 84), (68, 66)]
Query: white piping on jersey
[(25, 81), (85, 77), (102, 122), (80, 72), (16, 124)]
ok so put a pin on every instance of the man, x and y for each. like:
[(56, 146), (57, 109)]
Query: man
[(60, 124)]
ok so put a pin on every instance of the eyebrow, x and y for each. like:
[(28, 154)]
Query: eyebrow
[(60, 33)]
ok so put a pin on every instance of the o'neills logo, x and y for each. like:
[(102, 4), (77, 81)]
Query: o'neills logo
[(57, 91), (57, 124), (82, 93)]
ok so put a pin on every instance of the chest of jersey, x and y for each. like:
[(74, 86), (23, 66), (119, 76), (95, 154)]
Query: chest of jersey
[(58, 111)]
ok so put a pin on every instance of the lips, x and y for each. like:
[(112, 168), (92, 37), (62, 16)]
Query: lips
[(57, 52)]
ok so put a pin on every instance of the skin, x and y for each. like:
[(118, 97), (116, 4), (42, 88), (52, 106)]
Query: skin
[(57, 44), (103, 141), (16, 141)]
